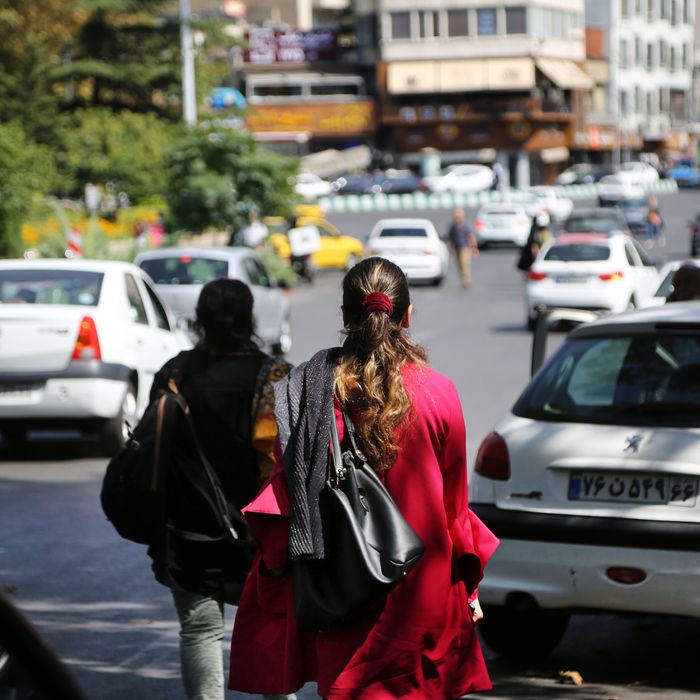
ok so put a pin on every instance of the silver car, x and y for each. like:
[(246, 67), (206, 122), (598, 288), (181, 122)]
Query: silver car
[(180, 273)]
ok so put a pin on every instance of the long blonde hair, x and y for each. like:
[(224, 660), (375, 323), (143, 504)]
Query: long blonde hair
[(377, 347)]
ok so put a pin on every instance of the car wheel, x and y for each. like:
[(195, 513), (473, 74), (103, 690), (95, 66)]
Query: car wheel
[(522, 634), (284, 343), (351, 261), (116, 430)]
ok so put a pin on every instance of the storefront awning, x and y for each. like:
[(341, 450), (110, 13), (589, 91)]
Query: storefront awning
[(566, 74), (468, 75)]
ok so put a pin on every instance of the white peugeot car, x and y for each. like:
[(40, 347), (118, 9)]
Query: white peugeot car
[(80, 341), (504, 222), (412, 244), (590, 271), (591, 481), (460, 178)]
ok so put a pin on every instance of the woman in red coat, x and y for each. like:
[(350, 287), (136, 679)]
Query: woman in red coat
[(420, 641)]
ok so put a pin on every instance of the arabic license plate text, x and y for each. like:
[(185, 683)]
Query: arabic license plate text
[(633, 488)]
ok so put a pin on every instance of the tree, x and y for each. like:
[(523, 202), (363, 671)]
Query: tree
[(27, 173), (125, 56), (216, 176), (126, 148)]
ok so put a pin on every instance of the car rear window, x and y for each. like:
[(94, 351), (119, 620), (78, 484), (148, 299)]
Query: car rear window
[(578, 252), (502, 212), (593, 224), (402, 232), (185, 269), (71, 287), (630, 380)]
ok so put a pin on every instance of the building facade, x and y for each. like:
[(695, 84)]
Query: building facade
[(478, 79), (649, 47)]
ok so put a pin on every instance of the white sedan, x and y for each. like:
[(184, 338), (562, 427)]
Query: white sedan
[(504, 222), (309, 186), (666, 280), (81, 341), (590, 271), (412, 244), (637, 173), (461, 178), (591, 481), (559, 207)]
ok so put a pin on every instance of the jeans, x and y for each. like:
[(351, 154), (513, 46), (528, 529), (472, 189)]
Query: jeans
[(201, 658)]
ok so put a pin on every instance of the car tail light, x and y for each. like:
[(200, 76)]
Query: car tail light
[(186, 259), (429, 252), (87, 345), (628, 575), (611, 276), (536, 276), (479, 225), (492, 459)]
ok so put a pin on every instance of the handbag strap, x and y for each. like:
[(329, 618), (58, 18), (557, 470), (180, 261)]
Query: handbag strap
[(350, 426)]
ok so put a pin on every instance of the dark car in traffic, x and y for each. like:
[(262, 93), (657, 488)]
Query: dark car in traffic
[(399, 182), (595, 220), (634, 209), (362, 183)]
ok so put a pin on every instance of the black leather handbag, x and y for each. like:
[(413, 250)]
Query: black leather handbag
[(369, 546)]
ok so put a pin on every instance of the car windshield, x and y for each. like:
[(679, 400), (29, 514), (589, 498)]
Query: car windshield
[(185, 269), (501, 212), (665, 287), (636, 380), (401, 232), (592, 223), (69, 286), (640, 203), (578, 252)]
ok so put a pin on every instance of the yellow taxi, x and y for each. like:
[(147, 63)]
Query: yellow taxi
[(336, 250)]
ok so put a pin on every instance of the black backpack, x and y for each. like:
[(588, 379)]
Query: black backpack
[(161, 490)]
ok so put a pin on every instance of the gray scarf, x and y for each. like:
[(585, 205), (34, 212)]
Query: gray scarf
[(304, 410)]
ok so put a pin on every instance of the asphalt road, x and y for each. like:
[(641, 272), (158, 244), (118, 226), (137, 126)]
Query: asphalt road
[(92, 596)]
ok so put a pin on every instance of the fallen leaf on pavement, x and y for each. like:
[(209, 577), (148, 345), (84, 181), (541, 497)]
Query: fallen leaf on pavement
[(571, 677)]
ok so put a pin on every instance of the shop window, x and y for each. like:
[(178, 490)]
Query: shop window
[(457, 23), (486, 22), (516, 20), (400, 25)]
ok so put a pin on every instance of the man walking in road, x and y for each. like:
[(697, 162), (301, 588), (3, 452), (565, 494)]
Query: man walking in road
[(464, 244)]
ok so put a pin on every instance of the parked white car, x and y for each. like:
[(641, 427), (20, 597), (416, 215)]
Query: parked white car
[(310, 186), (81, 341), (460, 178), (180, 273), (559, 207), (504, 222), (637, 173), (590, 271), (591, 481), (412, 244)]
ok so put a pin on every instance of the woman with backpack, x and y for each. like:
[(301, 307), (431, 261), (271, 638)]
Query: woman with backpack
[(227, 383), (419, 640)]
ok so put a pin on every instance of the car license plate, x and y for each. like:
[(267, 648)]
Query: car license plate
[(568, 279), (633, 488)]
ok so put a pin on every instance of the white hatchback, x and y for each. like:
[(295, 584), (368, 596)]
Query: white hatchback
[(412, 244), (590, 271), (80, 341), (502, 223), (463, 178), (592, 482)]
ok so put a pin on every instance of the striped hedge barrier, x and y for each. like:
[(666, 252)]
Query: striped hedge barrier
[(352, 203)]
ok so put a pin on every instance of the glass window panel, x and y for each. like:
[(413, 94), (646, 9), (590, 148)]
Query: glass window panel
[(400, 25), (457, 23), (486, 22), (516, 20)]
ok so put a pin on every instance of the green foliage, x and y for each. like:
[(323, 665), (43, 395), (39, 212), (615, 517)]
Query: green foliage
[(127, 149), (216, 176), (27, 173)]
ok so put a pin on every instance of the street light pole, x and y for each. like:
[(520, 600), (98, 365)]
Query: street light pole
[(189, 95)]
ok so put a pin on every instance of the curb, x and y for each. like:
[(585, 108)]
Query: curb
[(354, 203)]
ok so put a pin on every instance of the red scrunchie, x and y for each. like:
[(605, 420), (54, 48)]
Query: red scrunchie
[(378, 301)]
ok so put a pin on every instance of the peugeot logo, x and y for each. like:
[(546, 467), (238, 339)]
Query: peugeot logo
[(632, 443)]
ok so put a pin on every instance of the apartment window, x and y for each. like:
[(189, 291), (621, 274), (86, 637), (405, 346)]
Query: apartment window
[(686, 57), (457, 23), (624, 58), (674, 59), (624, 103), (637, 99), (486, 22), (686, 11), (663, 9), (663, 54), (674, 12), (429, 22), (625, 8), (400, 25), (516, 20), (650, 10), (638, 8), (650, 103), (650, 56), (637, 51)]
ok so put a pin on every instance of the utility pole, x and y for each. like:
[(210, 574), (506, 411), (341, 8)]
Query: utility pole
[(189, 94)]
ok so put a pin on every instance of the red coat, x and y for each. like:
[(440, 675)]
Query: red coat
[(418, 643)]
